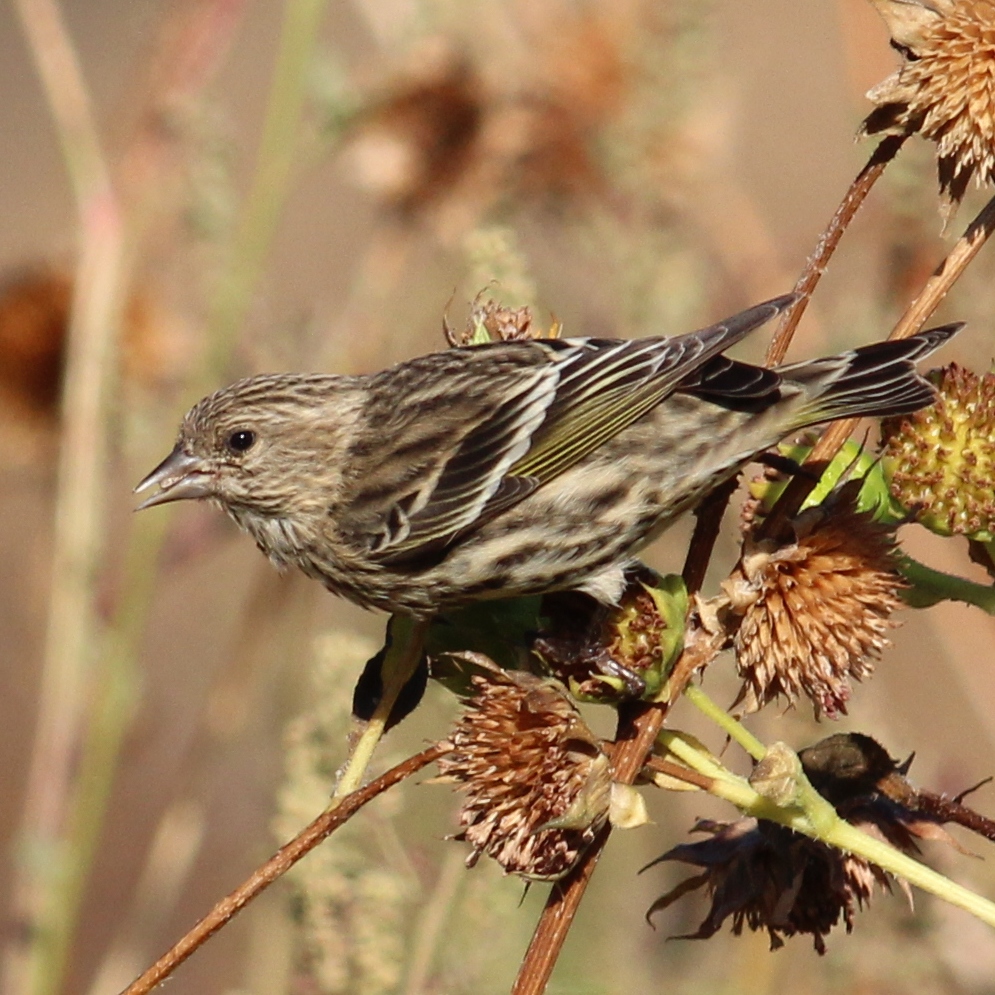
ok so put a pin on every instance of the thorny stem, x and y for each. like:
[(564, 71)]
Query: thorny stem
[(816, 264), (812, 815), (281, 862), (915, 316), (947, 273), (708, 520), (638, 727)]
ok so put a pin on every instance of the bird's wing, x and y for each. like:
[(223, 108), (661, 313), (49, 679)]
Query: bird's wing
[(587, 392)]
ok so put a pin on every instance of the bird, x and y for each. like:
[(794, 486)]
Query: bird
[(509, 468)]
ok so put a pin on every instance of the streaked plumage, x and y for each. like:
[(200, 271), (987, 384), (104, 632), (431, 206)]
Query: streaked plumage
[(508, 468)]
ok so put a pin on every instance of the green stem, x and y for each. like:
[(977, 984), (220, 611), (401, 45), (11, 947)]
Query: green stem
[(931, 586), (278, 150), (812, 815), (735, 730)]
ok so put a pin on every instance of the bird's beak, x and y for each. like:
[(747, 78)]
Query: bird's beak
[(177, 477)]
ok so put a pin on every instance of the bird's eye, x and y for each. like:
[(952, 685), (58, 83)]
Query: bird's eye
[(241, 440)]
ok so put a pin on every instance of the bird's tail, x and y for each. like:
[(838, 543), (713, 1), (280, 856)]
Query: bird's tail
[(878, 380)]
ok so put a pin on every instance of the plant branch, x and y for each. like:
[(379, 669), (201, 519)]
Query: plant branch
[(733, 729), (915, 316), (638, 727), (930, 586), (404, 652), (816, 264), (289, 854)]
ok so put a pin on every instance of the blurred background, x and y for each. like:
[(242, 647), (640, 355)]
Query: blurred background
[(196, 190)]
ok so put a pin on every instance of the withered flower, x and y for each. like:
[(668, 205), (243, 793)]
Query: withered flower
[(608, 653), (537, 784), (766, 876), (35, 303), (769, 877), (815, 609), (945, 89), (941, 460), (415, 144), (34, 314), (491, 321)]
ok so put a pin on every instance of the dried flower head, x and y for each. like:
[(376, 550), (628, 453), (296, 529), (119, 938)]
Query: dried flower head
[(604, 653), (34, 312), (35, 305), (945, 89), (414, 145), (815, 609), (491, 321), (537, 783), (870, 789), (941, 460), (767, 876)]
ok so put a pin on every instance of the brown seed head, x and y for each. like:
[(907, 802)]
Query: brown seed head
[(605, 653), (537, 784), (816, 609), (766, 876), (491, 321), (941, 460), (945, 90), (34, 315)]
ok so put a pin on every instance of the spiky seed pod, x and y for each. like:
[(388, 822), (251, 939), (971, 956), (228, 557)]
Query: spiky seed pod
[(816, 610), (945, 90), (491, 321), (537, 784), (626, 650), (941, 460), (766, 876)]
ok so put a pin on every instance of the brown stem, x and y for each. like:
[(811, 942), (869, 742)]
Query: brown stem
[(639, 725), (915, 316), (708, 520), (947, 273), (826, 246), (281, 862), (679, 773), (637, 730)]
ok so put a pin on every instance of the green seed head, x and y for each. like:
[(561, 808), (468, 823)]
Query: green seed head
[(941, 461)]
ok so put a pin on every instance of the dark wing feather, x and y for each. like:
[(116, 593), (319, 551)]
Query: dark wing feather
[(734, 385), (588, 392)]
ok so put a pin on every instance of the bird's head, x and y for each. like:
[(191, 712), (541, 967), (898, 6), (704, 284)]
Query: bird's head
[(271, 446)]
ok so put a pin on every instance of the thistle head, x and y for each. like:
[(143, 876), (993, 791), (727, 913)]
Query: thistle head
[(943, 91)]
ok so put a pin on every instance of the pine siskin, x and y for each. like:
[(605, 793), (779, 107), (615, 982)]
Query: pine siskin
[(509, 468)]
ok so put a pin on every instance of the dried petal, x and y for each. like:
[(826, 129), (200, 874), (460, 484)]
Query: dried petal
[(766, 876)]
